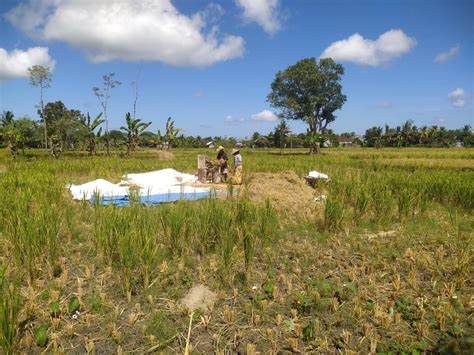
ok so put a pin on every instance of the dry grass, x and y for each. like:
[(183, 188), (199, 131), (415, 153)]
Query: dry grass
[(164, 155), (377, 283), (288, 192)]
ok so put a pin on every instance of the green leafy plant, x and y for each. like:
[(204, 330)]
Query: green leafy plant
[(73, 305), (54, 308), (40, 334)]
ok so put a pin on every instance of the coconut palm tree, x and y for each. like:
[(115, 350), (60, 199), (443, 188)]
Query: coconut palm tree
[(6, 118)]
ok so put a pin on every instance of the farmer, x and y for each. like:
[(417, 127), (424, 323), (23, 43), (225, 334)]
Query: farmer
[(222, 158), (237, 178)]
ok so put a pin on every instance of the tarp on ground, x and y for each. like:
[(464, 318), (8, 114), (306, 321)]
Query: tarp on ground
[(154, 187)]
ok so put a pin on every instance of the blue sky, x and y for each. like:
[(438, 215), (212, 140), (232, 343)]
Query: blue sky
[(209, 65)]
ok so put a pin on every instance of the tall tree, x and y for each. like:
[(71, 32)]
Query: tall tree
[(310, 91), (103, 95), (373, 137), (63, 123), (134, 129), (41, 77)]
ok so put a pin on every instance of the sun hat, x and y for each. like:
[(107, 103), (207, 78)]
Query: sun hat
[(219, 148), (235, 151)]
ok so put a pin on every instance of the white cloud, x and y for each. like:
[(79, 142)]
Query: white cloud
[(388, 46), (230, 119), (149, 30), (262, 116), (265, 13), (458, 97), (15, 64), (449, 54), (265, 115)]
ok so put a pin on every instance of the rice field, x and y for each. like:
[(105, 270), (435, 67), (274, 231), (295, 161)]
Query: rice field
[(382, 264)]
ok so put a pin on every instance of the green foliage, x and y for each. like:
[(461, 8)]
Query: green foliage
[(309, 91), (280, 134), (334, 213), (40, 335), (134, 129), (95, 302), (171, 132), (90, 126), (309, 331), (73, 305), (409, 135), (54, 308), (41, 77), (103, 95), (9, 310)]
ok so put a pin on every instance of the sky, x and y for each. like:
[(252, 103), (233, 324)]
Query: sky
[(209, 64)]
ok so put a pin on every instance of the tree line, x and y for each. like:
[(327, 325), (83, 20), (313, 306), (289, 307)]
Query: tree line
[(309, 91), (70, 130)]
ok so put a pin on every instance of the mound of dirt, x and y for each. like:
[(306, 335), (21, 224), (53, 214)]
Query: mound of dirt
[(164, 155), (286, 190)]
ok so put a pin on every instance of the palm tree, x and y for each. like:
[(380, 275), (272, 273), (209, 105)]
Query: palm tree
[(7, 118), (282, 130), (134, 129), (424, 135), (90, 127)]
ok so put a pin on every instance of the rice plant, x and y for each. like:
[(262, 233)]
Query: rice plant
[(9, 310)]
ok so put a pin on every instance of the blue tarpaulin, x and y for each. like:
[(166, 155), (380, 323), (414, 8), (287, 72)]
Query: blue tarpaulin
[(152, 200)]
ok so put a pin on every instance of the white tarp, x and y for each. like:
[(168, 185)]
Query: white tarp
[(317, 175), (152, 183)]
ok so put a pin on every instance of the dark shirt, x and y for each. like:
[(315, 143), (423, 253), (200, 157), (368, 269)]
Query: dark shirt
[(222, 155)]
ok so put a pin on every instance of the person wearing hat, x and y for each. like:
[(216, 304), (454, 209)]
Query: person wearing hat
[(237, 178), (222, 158)]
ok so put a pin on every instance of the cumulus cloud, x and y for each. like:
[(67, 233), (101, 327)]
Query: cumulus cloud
[(262, 116), (149, 30), (265, 13), (357, 49), (458, 97), (15, 64), (449, 54), (265, 115)]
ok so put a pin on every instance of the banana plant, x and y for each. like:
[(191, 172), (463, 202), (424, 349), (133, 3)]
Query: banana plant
[(171, 132), (90, 126), (134, 129), (159, 139), (314, 141)]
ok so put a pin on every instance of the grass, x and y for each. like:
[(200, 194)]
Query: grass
[(384, 264)]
